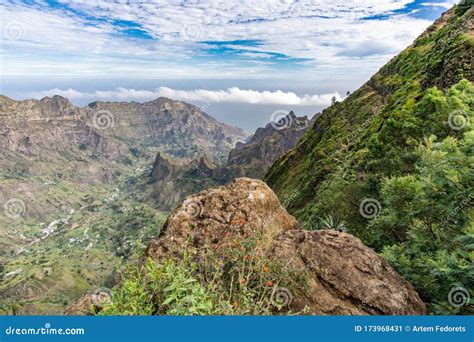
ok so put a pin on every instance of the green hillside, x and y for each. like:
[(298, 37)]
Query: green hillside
[(393, 163)]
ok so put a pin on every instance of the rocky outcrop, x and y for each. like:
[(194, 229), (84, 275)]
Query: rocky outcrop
[(344, 276), (89, 303), (216, 216), (83, 306)]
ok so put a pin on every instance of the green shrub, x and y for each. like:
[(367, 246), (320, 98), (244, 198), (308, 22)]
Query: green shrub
[(429, 214), (236, 279)]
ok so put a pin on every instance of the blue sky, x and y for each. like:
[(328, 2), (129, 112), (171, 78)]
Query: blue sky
[(335, 45)]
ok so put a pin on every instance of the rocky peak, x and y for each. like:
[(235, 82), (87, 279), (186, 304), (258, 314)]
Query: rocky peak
[(57, 99), (56, 104), (162, 168), (174, 178), (205, 166), (268, 143)]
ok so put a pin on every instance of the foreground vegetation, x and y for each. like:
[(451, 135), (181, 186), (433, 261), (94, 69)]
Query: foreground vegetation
[(238, 280)]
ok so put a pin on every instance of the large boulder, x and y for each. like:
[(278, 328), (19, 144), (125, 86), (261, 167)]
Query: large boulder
[(213, 217), (344, 277)]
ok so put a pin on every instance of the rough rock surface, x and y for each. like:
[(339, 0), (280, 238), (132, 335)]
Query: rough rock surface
[(345, 276), (84, 306), (213, 217)]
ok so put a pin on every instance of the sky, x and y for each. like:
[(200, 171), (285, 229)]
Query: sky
[(239, 60)]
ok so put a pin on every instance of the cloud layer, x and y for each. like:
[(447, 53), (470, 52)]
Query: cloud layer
[(170, 38), (230, 95)]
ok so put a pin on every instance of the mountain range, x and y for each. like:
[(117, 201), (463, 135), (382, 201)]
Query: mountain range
[(71, 178), (370, 209)]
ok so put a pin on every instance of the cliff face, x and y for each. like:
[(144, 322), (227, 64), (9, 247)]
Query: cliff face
[(255, 157), (373, 133), (172, 179)]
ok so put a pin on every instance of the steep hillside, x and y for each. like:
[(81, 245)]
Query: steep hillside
[(365, 137), (369, 156)]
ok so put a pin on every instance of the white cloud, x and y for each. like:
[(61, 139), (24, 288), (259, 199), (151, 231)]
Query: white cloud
[(332, 34), (230, 95), (444, 4), (68, 93)]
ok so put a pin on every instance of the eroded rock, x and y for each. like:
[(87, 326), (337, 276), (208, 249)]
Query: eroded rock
[(213, 217), (83, 306), (344, 277)]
